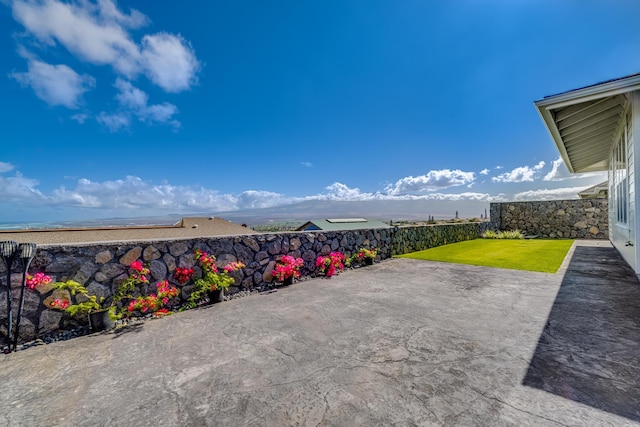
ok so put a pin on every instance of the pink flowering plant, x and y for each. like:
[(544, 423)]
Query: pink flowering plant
[(234, 266), (286, 267), (330, 264), (361, 254), (138, 275), (212, 279), (85, 303), (37, 279), (183, 275), (156, 301), (77, 302)]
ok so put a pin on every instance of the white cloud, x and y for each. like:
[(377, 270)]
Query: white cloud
[(96, 33), (133, 193), (130, 96), (307, 164), (55, 84), (559, 172), (114, 122), (455, 197), (484, 172), (134, 196), (161, 113), (6, 167), (432, 181), (549, 194), (520, 174), (100, 34), (169, 62), (260, 199), (339, 191), (134, 103), (18, 189), (80, 117)]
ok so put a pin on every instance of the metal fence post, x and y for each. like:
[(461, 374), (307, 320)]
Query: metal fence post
[(8, 253), (26, 252)]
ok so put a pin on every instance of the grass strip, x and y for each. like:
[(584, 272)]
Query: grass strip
[(541, 255)]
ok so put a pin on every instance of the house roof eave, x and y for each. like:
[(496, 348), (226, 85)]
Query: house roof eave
[(550, 105)]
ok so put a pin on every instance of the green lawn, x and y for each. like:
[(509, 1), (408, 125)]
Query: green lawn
[(533, 255)]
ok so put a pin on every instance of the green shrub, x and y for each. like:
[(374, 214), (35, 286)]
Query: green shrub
[(510, 234)]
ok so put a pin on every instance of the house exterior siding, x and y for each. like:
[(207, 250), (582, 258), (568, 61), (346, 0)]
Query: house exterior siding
[(623, 221)]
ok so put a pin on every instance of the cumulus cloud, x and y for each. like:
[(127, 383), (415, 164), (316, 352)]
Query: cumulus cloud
[(341, 192), (55, 84), (18, 189), (307, 164), (101, 34), (134, 102), (484, 172), (549, 194), (135, 193), (6, 167), (130, 96), (114, 122), (96, 33), (559, 172), (432, 181), (520, 174), (169, 62)]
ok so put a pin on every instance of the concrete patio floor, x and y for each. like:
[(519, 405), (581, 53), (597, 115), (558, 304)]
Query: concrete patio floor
[(404, 342)]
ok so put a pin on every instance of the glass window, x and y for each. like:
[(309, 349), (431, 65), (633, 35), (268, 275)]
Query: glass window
[(619, 177)]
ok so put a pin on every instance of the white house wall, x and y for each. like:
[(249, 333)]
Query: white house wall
[(623, 236), (634, 194)]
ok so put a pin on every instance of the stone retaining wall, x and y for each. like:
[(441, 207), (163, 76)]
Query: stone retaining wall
[(418, 238), (579, 219), (101, 267)]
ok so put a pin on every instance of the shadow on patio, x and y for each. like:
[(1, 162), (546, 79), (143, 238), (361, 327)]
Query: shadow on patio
[(589, 350)]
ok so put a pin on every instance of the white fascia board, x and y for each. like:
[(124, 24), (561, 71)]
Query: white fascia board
[(550, 124), (590, 93)]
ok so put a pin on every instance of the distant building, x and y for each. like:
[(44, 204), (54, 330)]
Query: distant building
[(339, 224), (599, 191), (190, 227)]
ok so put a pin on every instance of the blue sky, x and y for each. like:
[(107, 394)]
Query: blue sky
[(144, 108)]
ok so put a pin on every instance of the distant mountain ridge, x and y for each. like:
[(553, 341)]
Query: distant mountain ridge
[(384, 210)]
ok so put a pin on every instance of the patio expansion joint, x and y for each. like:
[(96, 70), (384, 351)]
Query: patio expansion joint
[(483, 394)]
